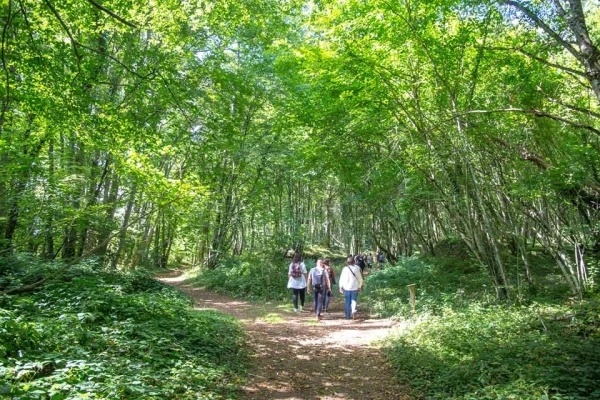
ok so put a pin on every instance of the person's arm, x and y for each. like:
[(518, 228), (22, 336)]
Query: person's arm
[(327, 281), (342, 281), (360, 281), (304, 272), (308, 282)]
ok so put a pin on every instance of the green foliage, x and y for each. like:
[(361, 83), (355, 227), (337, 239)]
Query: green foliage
[(493, 352), (250, 277), (439, 284), (98, 334), (461, 345)]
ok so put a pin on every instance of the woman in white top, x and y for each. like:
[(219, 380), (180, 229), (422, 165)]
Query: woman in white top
[(351, 282), (297, 281)]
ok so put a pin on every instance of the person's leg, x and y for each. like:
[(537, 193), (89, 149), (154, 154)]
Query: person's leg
[(347, 305), (353, 300), (327, 300), (295, 298), (302, 297), (320, 303)]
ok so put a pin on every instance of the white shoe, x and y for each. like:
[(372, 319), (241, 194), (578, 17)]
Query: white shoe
[(295, 310)]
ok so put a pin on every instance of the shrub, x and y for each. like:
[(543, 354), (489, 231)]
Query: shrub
[(496, 352), (251, 277), (438, 285), (114, 335), (463, 345)]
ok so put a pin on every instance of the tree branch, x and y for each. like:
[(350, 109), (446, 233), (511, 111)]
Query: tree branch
[(524, 154), (574, 108), (541, 60), (66, 28), (5, 67), (540, 23), (537, 113), (115, 60), (112, 14)]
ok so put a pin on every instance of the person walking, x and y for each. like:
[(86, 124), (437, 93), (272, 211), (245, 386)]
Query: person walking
[(380, 260), (318, 280), (351, 282), (361, 262), (297, 281), (331, 275)]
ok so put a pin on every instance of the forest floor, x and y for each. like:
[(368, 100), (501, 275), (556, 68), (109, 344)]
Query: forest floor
[(296, 357)]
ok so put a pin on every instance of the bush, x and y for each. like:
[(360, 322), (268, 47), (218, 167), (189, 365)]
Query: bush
[(438, 285), (113, 335), (496, 353), (463, 345), (251, 278)]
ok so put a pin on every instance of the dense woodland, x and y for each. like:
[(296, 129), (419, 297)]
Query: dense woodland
[(142, 135), (187, 132)]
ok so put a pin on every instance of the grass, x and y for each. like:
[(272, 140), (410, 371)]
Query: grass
[(272, 318), (463, 344), (111, 335)]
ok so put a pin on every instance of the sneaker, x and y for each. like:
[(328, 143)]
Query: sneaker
[(295, 310)]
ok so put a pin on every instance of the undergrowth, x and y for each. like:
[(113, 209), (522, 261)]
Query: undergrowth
[(250, 277), (111, 335), (462, 344)]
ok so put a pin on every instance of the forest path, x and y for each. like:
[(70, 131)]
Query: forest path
[(296, 357)]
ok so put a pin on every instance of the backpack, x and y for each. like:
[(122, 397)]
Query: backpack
[(318, 281), (296, 270)]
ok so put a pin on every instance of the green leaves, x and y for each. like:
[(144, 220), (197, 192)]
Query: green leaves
[(106, 335), (460, 345)]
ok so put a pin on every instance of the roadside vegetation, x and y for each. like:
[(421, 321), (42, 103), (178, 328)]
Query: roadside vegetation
[(462, 343), (259, 276), (91, 333)]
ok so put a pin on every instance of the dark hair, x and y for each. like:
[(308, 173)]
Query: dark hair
[(326, 261), (297, 258), (350, 261)]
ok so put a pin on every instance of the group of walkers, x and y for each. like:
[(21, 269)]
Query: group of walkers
[(366, 260), (319, 282)]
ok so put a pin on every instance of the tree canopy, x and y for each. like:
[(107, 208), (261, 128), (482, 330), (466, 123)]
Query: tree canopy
[(174, 131)]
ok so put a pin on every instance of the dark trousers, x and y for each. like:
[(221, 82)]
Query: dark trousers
[(319, 300), (295, 293), (327, 299)]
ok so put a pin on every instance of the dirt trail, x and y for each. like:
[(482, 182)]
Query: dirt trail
[(296, 357)]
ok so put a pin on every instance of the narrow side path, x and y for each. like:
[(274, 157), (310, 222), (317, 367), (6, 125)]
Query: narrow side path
[(297, 358)]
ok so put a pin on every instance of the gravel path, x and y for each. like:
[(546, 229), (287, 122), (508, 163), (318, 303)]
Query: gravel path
[(295, 357)]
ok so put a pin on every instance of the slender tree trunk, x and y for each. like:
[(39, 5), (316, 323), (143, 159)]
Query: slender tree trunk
[(123, 231)]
